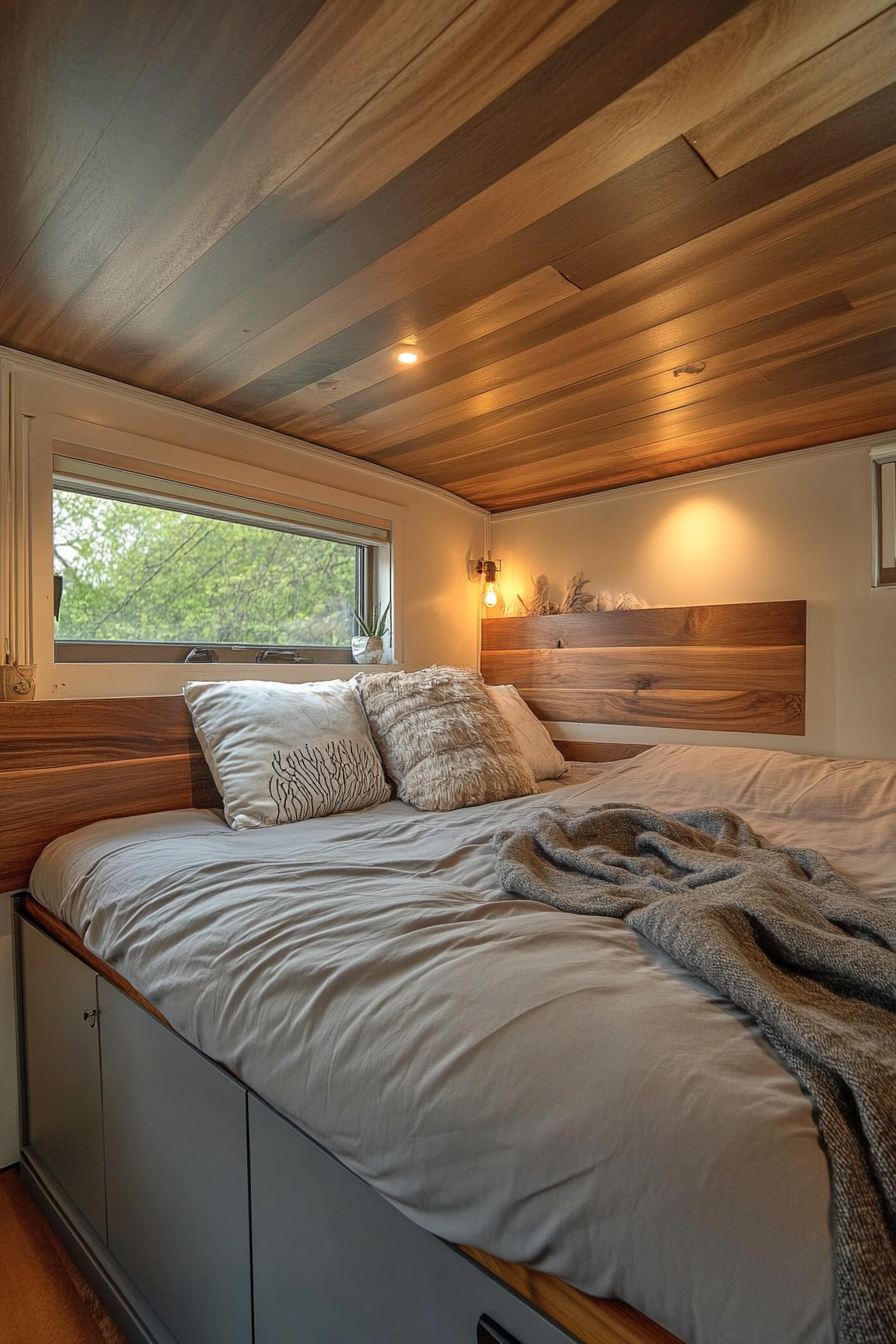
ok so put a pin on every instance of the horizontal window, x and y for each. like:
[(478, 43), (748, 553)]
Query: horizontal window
[(144, 575)]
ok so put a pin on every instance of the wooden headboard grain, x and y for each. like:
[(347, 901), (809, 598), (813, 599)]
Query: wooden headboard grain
[(734, 668), (66, 763)]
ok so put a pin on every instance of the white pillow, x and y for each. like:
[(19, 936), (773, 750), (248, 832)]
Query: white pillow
[(531, 737), (282, 752)]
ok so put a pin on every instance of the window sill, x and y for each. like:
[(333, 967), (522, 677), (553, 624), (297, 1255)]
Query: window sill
[(92, 681)]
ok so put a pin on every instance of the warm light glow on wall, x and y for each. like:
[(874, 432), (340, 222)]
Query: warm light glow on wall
[(700, 544)]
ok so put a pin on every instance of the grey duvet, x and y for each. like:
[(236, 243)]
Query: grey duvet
[(549, 1087), (789, 939)]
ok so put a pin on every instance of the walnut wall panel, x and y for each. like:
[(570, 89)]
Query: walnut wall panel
[(67, 763), (737, 668)]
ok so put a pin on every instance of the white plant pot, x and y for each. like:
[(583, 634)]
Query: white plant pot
[(367, 649)]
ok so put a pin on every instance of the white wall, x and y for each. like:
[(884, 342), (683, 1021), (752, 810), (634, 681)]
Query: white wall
[(437, 614), (793, 526), (437, 607)]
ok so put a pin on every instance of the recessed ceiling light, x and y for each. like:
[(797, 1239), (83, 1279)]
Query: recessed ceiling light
[(406, 354)]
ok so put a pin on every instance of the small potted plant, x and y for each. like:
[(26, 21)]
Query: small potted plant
[(367, 647)]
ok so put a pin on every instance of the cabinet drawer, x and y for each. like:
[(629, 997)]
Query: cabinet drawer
[(177, 1176), (63, 1096), (336, 1263)]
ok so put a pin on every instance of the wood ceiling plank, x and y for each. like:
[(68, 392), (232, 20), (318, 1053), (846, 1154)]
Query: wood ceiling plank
[(614, 478), (868, 412), (535, 292), (773, 668), (482, 51), (674, 170), (554, 432), (42, 146), (803, 162), (843, 74), (713, 260), (211, 56), (797, 329), (620, 397), (822, 197), (616, 344), (871, 288), (336, 66), (657, 421), (865, 354), (868, 396), (697, 275), (655, 440), (840, 419), (734, 59), (749, 435)]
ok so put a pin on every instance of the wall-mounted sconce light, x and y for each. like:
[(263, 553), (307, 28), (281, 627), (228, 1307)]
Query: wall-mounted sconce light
[(489, 569)]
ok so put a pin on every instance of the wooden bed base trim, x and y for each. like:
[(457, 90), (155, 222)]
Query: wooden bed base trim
[(61, 932), (592, 1320)]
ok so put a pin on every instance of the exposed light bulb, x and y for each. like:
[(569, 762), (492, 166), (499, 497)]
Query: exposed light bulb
[(492, 597)]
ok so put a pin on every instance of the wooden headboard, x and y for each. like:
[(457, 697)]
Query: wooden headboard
[(738, 668), (66, 763)]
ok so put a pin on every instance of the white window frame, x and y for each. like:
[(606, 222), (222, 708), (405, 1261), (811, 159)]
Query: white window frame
[(884, 576), (153, 491), (26, 582)]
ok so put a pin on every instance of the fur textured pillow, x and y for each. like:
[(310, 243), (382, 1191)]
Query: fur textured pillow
[(442, 740)]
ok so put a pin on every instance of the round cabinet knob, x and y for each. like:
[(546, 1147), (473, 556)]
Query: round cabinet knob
[(90, 1016)]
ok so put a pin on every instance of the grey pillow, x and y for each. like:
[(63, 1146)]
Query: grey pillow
[(532, 738), (442, 740)]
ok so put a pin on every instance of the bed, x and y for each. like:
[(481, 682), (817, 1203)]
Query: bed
[(533, 1013), (704, 1206)]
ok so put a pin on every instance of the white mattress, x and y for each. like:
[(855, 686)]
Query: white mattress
[(546, 1086)]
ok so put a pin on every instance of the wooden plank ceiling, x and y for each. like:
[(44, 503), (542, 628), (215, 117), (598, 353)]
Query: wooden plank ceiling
[(627, 239)]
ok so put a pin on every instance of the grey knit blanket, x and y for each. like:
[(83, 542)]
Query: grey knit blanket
[(789, 940)]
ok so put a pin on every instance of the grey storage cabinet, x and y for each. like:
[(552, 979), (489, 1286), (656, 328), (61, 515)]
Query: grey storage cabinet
[(63, 1095), (155, 1144), (177, 1176), (335, 1263)]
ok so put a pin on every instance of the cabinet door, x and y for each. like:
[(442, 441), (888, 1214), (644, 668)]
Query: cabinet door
[(335, 1263), (176, 1175), (62, 1070)]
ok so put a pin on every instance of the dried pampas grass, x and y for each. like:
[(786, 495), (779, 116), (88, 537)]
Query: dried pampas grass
[(628, 602), (540, 603), (577, 599)]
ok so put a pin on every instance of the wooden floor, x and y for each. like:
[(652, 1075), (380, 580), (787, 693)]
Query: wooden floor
[(43, 1298)]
